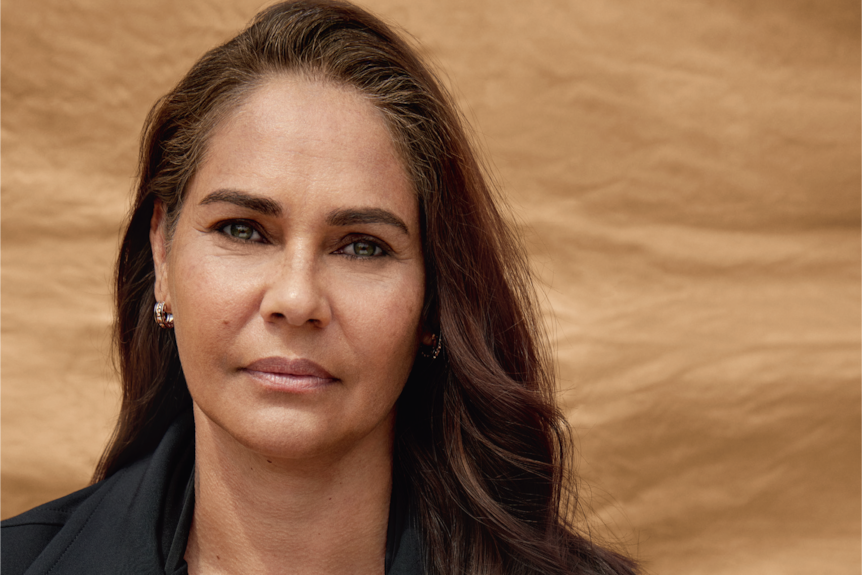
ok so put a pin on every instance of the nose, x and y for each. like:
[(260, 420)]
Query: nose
[(295, 293)]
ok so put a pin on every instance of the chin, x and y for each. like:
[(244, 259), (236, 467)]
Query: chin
[(293, 435)]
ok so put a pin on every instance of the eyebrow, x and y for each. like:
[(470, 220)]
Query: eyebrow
[(351, 216), (343, 217), (244, 200)]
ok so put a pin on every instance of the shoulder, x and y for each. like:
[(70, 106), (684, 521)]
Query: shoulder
[(123, 524), (25, 536)]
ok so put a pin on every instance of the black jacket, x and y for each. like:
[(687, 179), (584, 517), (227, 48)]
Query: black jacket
[(138, 520)]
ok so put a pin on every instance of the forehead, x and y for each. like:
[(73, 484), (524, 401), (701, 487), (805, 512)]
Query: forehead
[(309, 151), (305, 127), (310, 146)]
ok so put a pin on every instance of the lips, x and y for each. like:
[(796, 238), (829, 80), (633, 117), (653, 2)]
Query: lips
[(290, 374)]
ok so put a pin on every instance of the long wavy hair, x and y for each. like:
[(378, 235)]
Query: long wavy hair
[(479, 439)]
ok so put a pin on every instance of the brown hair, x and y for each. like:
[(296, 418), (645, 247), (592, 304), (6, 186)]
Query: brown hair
[(479, 438)]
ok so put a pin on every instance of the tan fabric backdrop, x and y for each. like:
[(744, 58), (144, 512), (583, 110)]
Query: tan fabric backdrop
[(687, 176)]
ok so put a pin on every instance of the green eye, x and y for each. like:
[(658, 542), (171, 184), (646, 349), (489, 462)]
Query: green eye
[(364, 249), (241, 231)]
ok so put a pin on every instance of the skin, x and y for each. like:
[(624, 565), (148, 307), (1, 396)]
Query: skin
[(299, 240)]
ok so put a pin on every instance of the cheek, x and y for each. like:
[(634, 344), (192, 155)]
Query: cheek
[(382, 322), (208, 307)]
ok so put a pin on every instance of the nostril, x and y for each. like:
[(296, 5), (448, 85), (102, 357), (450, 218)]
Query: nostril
[(281, 316)]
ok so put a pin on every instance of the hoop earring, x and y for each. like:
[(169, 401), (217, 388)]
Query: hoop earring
[(165, 320), (438, 347)]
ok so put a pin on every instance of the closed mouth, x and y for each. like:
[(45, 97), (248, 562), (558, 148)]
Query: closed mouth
[(291, 373)]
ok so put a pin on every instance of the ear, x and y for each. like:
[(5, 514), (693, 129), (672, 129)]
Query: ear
[(159, 245)]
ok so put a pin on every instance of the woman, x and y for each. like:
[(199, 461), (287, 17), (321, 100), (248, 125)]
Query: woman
[(330, 354)]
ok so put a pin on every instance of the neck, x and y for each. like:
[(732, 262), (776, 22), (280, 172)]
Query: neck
[(256, 514)]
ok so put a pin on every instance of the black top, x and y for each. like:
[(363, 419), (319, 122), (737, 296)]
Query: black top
[(138, 521)]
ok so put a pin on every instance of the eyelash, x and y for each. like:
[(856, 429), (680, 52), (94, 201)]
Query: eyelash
[(380, 249)]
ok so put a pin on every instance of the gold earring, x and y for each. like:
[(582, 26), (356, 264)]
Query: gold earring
[(165, 320)]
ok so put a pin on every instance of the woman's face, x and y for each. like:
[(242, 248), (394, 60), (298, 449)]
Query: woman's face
[(295, 273)]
